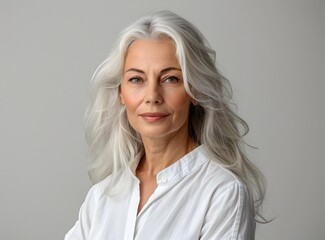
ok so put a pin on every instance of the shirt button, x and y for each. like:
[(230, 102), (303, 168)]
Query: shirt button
[(163, 179)]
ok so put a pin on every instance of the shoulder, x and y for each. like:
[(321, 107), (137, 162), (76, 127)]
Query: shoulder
[(223, 177), (102, 185), (218, 177), (222, 185), (87, 211), (98, 190), (112, 185)]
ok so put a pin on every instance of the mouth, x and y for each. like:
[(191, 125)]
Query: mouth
[(153, 116)]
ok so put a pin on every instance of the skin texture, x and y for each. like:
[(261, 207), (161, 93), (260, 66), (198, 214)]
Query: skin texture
[(157, 107)]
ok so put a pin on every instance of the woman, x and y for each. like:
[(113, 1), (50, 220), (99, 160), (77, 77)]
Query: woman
[(168, 150)]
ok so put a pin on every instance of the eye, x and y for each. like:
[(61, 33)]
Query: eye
[(135, 80), (171, 79)]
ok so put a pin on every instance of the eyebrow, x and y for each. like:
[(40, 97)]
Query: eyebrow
[(161, 72)]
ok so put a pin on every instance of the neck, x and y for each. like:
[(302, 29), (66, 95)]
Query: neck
[(161, 153)]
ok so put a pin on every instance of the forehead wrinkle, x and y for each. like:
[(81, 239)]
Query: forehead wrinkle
[(151, 55)]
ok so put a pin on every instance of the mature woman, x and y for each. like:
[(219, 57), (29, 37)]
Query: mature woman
[(168, 149)]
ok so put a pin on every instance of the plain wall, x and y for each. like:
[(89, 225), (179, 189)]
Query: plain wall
[(271, 51)]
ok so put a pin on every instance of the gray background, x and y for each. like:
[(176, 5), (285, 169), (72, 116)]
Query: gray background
[(272, 52)]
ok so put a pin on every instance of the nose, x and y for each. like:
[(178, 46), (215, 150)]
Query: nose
[(153, 95)]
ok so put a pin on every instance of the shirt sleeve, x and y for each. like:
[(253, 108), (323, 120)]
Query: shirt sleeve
[(81, 229), (230, 215)]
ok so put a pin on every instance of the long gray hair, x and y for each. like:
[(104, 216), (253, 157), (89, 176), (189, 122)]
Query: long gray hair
[(212, 122)]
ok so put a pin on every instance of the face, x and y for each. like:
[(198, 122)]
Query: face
[(152, 90)]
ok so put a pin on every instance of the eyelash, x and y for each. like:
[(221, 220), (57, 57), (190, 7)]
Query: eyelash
[(138, 80), (174, 79)]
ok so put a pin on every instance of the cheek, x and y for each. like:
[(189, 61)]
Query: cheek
[(181, 101), (130, 107), (181, 106), (129, 98), (130, 104)]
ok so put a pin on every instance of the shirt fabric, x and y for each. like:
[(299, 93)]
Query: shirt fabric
[(195, 198)]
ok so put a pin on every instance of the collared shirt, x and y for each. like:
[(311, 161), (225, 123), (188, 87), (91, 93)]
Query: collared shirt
[(195, 198)]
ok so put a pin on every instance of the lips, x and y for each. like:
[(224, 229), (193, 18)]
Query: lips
[(153, 116)]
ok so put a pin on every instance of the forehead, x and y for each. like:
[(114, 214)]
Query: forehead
[(152, 52)]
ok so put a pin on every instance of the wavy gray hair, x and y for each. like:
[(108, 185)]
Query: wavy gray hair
[(212, 122)]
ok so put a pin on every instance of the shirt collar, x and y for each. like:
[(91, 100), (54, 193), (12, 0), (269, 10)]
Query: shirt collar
[(175, 172), (184, 166)]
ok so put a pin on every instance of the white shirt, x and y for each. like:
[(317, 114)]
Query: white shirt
[(195, 198)]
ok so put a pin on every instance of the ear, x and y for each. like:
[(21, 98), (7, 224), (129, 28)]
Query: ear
[(121, 96)]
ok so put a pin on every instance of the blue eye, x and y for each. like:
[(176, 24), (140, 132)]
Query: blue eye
[(135, 80), (171, 79)]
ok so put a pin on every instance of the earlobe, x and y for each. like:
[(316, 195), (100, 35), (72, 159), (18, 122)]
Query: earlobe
[(194, 102)]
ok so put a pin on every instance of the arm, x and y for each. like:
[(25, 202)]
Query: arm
[(230, 215)]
